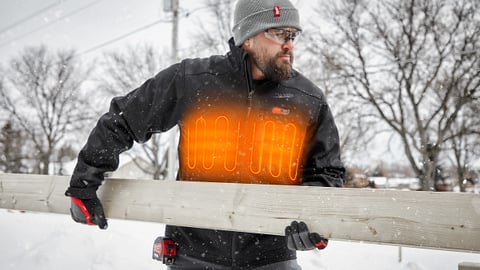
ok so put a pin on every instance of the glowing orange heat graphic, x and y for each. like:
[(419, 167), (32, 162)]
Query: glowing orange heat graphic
[(228, 147)]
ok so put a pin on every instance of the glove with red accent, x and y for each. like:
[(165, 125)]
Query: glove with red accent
[(86, 208), (300, 238), (88, 211)]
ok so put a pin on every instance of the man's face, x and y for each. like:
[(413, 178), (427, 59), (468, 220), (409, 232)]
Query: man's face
[(272, 59)]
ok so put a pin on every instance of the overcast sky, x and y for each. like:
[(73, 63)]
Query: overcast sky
[(82, 25), (87, 25)]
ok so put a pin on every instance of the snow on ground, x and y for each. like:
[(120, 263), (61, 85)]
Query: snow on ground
[(39, 241)]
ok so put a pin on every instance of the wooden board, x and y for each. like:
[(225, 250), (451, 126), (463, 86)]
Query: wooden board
[(421, 219)]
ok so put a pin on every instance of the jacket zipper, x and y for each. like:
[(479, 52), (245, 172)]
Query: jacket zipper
[(250, 89), (250, 101), (250, 94)]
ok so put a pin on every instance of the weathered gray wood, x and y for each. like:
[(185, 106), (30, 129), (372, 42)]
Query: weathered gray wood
[(421, 219), (469, 266)]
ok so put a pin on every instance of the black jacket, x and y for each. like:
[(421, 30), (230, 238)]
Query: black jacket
[(231, 129)]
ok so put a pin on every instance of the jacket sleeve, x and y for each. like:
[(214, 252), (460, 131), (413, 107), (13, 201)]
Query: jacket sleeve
[(324, 166), (149, 109)]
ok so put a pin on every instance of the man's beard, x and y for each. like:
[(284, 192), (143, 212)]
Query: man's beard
[(273, 68)]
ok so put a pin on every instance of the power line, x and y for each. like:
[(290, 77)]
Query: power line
[(94, 48), (51, 22), (29, 17), (122, 36)]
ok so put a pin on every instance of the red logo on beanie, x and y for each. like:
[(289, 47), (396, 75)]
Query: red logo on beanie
[(276, 11)]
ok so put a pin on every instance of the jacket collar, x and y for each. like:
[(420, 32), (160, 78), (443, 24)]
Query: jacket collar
[(237, 55)]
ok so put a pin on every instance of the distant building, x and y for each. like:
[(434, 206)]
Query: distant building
[(396, 183)]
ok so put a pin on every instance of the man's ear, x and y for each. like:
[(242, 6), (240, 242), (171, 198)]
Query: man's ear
[(246, 45)]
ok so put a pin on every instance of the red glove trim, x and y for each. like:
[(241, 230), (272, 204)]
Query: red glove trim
[(84, 209)]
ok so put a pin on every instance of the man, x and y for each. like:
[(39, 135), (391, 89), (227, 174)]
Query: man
[(245, 117)]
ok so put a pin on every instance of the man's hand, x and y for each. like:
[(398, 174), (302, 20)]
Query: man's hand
[(88, 211), (300, 238)]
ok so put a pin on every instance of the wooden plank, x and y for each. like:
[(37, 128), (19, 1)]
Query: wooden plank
[(469, 266), (421, 219)]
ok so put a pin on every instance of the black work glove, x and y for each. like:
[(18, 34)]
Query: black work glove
[(88, 211), (300, 238)]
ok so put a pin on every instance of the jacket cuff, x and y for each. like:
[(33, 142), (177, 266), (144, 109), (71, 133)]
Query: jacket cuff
[(81, 193)]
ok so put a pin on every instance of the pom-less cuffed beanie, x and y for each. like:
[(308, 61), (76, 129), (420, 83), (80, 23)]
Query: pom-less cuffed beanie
[(254, 16)]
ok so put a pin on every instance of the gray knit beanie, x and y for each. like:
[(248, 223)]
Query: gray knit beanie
[(254, 16)]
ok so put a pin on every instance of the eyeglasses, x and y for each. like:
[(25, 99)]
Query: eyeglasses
[(282, 36)]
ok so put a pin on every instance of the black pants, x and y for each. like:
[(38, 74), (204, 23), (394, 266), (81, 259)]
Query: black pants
[(285, 265)]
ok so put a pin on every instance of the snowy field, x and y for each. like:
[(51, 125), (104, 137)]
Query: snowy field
[(39, 241)]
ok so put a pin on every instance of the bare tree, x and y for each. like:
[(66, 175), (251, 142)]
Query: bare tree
[(462, 144), (125, 71), (42, 93), (415, 64), (357, 127), (213, 34), (13, 146)]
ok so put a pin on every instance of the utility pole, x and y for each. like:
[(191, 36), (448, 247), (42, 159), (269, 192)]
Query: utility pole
[(172, 6), (175, 7)]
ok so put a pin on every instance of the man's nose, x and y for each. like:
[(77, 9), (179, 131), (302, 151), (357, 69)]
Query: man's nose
[(288, 45)]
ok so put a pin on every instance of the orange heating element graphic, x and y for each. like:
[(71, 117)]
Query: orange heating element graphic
[(221, 147)]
